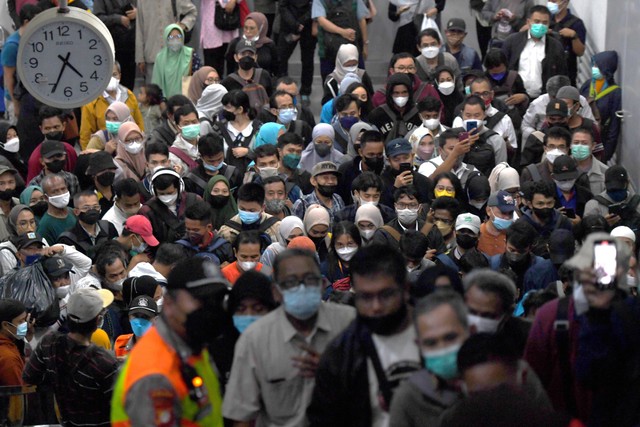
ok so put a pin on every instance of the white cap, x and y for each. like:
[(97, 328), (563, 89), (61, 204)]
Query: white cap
[(469, 221), (624, 231)]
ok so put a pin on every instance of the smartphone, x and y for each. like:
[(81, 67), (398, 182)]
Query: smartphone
[(128, 7), (605, 263), (569, 213), (471, 125), (404, 167), (616, 209), (463, 136)]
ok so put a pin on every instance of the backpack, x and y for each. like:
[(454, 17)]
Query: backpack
[(481, 154), (202, 183), (88, 249), (399, 126), (257, 94), (492, 121), (184, 157), (209, 251), (342, 14), (262, 229)]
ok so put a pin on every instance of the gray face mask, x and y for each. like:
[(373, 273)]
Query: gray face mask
[(274, 206)]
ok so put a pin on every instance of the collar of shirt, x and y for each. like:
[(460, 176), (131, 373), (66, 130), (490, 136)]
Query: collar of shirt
[(405, 228), (530, 38), (92, 236), (246, 132), (289, 332), (172, 338)]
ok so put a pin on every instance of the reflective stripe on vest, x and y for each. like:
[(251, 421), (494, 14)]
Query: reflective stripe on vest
[(153, 356)]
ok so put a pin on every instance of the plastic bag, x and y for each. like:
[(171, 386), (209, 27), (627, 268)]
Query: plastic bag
[(428, 22), (31, 286)]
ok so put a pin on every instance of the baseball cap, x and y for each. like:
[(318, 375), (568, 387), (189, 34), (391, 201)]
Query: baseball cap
[(503, 201), (616, 178), (557, 107), (51, 148), (564, 168), (457, 24), (244, 45), (141, 226), (624, 231), (325, 167), (143, 304), (469, 221), (562, 246), (568, 92), (398, 146), (100, 161), (56, 266), (85, 304), (5, 168), (27, 240)]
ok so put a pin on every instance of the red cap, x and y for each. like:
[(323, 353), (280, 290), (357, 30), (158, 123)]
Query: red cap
[(141, 226)]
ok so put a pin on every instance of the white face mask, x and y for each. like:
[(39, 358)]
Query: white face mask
[(407, 216), (113, 84), (169, 199), (60, 201), (483, 324), (117, 286), (431, 124), (446, 88), (430, 52), (477, 205), (552, 155), (247, 265), (565, 185), (12, 145), (351, 69), (367, 234), (268, 172), (62, 292), (401, 101), (347, 253), (159, 303), (133, 147)]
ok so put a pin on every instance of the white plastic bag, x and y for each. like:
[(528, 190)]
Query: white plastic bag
[(428, 22)]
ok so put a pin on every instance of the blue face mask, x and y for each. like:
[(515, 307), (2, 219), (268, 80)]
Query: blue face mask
[(140, 326), (553, 7), (31, 259), (596, 73), (443, 363), (21, 330), (249, 217), (498, 76), (501, 224), (291, 161), (348, 121), (617, 195), (287, 116), (242, 322), (213, 168), (302, 302)]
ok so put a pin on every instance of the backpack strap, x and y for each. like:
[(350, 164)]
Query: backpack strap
[(267, 224), (607, 91), (562, 335), (257, 74), (384, 385), (333, 89), (602, 200), (183, 156), (494, 120), (234, 225), (535, 173), (634, 202), (392, 231), (228, 173), (239, 79), (196, 180)]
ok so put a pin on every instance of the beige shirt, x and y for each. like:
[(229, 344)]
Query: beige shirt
[(264, 385)]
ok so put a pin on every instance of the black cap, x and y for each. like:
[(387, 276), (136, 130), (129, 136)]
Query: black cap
[(565, 168), (143, 304), (457, 24), (50, 148), (245, 45), (100, 161), (27, 240), (56, 266), (616, 178), (252, 284), (557, 107)]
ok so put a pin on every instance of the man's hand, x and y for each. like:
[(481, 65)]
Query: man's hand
[(431, 217), (141, 66), (132, 14), (432, 12), (52, 250), (178, 168), (567, 33), (239, 152), (349, 34), (111, 146), (308, 362), (230, 6), (31, 324), (461, 148), (516, 99), (404, 179), (431, 253), (612, 219), (124, 21)]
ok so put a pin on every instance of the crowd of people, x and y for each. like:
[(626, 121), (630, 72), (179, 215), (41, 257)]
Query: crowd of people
[(454, 247)]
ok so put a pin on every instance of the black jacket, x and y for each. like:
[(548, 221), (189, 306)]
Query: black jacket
[(554, 62), (422, 184), (76, 236), (348, 172)]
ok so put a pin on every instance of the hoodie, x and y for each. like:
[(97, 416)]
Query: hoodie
[(556, 222), (388, 118)]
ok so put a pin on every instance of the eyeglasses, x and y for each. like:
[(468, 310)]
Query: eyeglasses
[(293, 282), (133, 141), (407, 206), (212, 80), (409, 69), (175, 37), (90, 208), (384, 297), (443, 188)]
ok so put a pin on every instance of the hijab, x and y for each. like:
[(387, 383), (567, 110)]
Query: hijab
[(13, 218), (263, 28), (288, 224), (503, 176), (25, 196), (135, 163), (315, 215), (220, 215), (171, 66), (347, 52), (197, 83), (310, 156), (210, 101), (268, 134), (369, 213), (121, 110)]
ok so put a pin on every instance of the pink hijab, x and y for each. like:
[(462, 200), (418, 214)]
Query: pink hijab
[(121, 109), (263, 28), (197, 83), (133, 165)]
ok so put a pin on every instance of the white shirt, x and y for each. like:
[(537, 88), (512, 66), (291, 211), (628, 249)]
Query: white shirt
[(188, 148), (116, 217), (530, 66), (429, 167), (504, 127)]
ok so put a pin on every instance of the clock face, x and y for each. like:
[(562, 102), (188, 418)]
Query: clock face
[(64, 61)]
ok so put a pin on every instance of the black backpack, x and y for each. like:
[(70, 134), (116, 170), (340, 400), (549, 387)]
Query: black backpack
[(629, 215), (482, 155)]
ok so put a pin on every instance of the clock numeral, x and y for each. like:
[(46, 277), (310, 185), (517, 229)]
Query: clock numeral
[(38, 77), (92, 44), (37, 47), (68, 92), (33, 62), (97, 60), (84, 87), (94, 75), (48, 35), (80, 34), (63, 30)]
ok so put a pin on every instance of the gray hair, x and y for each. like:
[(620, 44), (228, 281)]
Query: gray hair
[(48, 180), (555, 83), (441, 297), (489, 281)]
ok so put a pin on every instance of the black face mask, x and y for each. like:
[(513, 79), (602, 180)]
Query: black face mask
[(327, 190), (246, 63), (318, 241), (56, 135), (106, 179), (6, 195), (218, 201), (203, 326), (517, 260), (40, 208), (228, 115), (195, 239), (466, 241), (375, 164), (385, 325), (90, 217), (544, 214), (56, 166)]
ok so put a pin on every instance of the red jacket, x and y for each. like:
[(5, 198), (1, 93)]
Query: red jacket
[(34, 161)]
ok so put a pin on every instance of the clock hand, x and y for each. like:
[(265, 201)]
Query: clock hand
[(66, 61), (64, 65)]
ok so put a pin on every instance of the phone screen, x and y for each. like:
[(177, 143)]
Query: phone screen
[(471, 125), (405, 167), (463, 136), (605, 263), (570, 213)]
